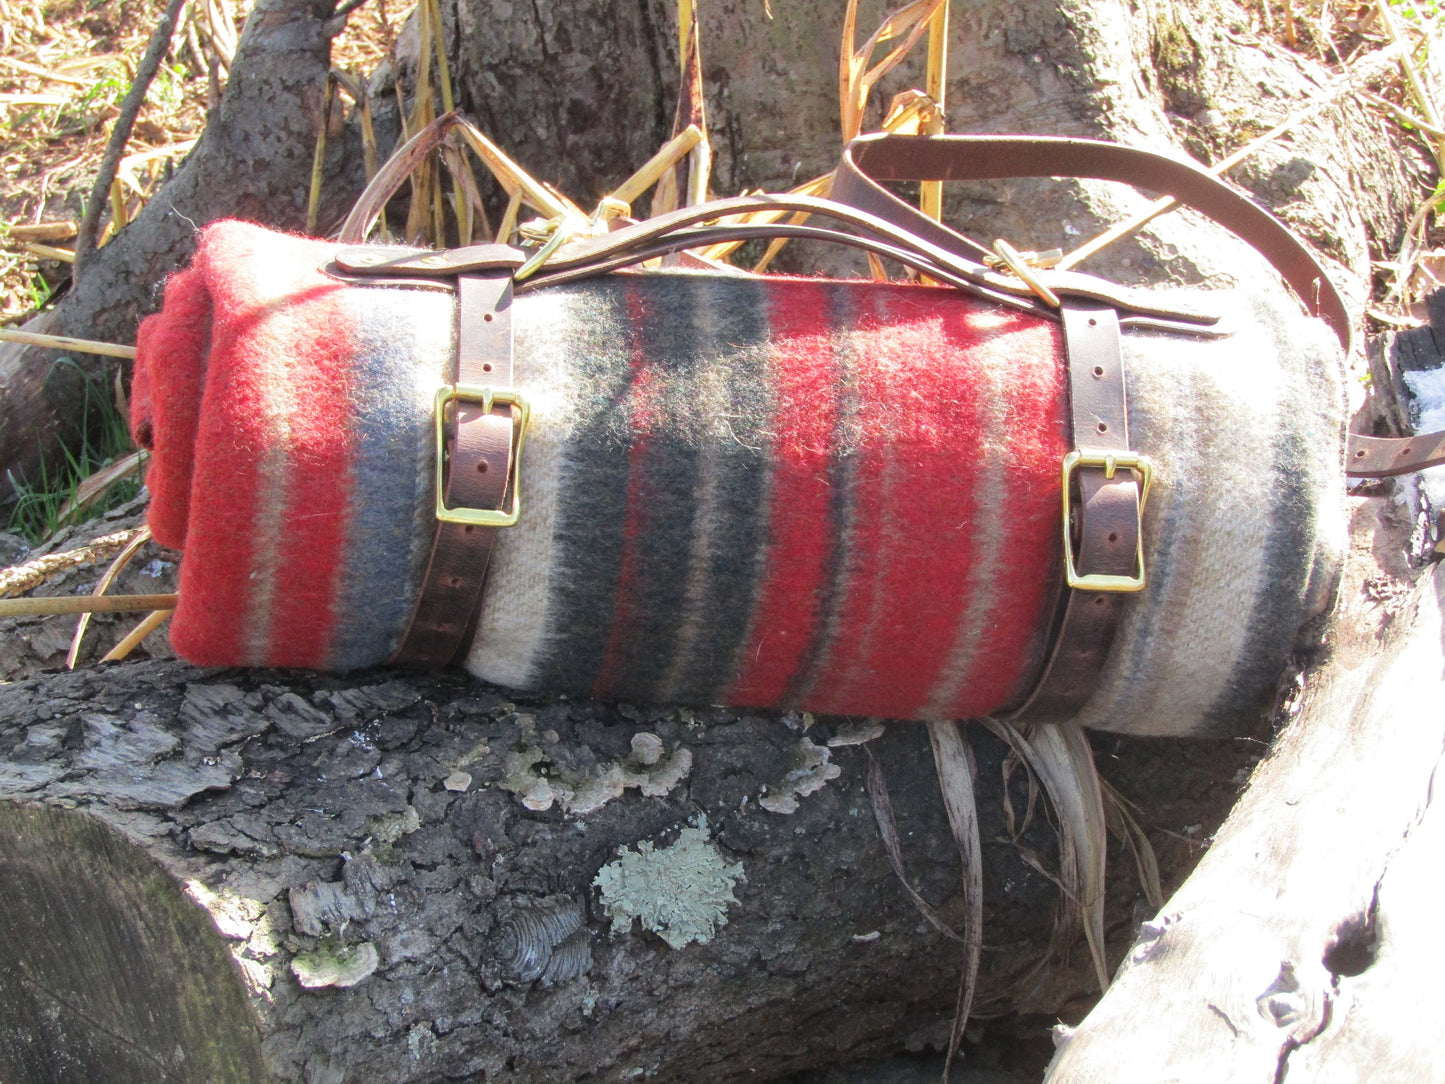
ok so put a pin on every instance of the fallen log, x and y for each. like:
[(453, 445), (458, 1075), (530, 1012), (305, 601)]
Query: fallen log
[(400, 877), (1305, 942)]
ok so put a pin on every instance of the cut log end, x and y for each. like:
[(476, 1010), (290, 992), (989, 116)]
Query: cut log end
[(107, 970)]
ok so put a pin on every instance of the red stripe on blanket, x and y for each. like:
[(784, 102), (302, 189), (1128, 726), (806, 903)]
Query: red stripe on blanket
[(805, 385), (1038, 439), (928, 388), (209, 626), (910, 538), (319, 480), (644, 409), (858, 576), (166, 401), (271, 471)]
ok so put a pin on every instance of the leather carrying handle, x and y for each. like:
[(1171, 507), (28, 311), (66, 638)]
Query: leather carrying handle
[(388, 180), (689, 227), (890, 227), (874, 158)]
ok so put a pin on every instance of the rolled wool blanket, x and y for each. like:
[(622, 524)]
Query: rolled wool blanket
[(835, 496)]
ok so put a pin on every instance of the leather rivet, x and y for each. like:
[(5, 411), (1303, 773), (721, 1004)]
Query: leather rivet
[(487, 317), (482, 467)]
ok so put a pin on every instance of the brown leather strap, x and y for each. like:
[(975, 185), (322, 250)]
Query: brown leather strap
[(862, 204), (392, 261), (1382, 457), (870, 159), (478, 464), (1103, 536), (915, 158), (480, 446), (684, 228)]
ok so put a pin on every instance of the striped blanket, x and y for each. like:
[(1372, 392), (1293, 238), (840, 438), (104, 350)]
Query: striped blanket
[(835, 496)]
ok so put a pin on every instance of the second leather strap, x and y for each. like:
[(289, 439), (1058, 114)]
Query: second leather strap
[(478, 468), (1103, 532)]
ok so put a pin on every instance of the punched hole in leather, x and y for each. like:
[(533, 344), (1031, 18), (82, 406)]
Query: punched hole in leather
[(477, 461), (1103, 531)]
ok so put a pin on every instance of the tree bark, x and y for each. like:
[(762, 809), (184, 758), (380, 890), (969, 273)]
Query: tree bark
[(582, 94), (367, 825), (252, 162)]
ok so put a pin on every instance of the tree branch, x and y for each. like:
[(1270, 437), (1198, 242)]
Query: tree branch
[(150, 63)]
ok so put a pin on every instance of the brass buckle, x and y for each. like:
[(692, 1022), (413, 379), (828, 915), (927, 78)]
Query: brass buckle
[(487, 398), (1142, 466)]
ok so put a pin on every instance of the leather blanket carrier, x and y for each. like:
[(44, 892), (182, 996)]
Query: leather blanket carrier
[(903, 500)]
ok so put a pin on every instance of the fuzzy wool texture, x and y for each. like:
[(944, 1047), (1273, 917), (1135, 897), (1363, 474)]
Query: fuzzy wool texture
[(836, 496), (289, 415), (1245, 531), (825, 495)]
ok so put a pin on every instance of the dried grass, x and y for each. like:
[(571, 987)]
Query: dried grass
[(953, 759), (1060, 757), (65, 68), (65, 65), (1408, 91), (81, 54), (33, 573), (50, 605), (102, 587), (154, 620)]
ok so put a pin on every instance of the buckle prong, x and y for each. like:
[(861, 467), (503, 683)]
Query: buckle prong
[(487, 398), (1143, 468)]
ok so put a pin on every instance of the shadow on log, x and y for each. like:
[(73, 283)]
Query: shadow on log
[(107, 969)]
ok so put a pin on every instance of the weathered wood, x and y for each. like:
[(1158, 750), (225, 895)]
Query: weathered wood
[(1385, 1019), (1264, 962), (388, 830), (1396, 356), (89, 923)]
